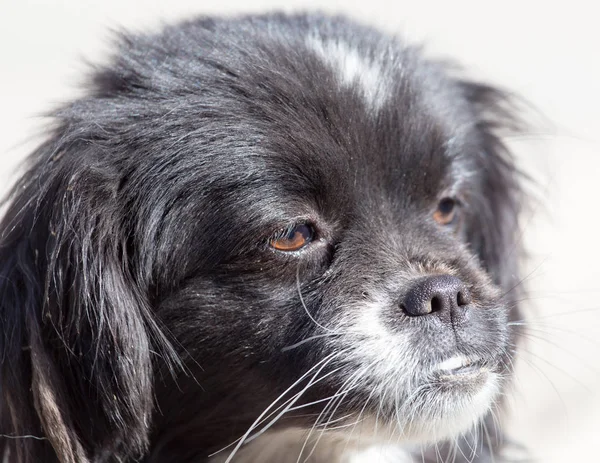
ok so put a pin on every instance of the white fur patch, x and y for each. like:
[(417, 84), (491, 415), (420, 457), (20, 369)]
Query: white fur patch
[(381, 454), (353, 69), (377, 346), (390, 360), (288, 446)]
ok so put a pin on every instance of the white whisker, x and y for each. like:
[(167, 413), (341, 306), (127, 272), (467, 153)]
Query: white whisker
[(304, 304), (240, 441), (292, 402), (312, 338)]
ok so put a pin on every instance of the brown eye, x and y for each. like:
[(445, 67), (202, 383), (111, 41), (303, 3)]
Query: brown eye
[(293, 239), (446, 211)]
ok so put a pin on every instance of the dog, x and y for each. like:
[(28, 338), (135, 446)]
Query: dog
[(263, 238)]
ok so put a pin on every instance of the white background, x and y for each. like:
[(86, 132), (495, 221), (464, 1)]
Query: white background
[(546, 51)]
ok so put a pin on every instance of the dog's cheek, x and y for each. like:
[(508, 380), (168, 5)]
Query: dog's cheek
[(219, 322)]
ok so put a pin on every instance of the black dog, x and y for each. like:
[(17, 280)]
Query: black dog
[(270, 238)]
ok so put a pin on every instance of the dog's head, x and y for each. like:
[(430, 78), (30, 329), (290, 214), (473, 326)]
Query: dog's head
[(252, 223)]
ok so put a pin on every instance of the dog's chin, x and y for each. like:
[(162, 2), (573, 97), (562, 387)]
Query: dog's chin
[(443, 405), (448, 403)]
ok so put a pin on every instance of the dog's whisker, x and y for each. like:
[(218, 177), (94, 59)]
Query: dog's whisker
[(456, 448), (527, 277), (304, 304), (332, 400), (330, 411), (488, 440), (359, 419), (558, 314), (342, 426), (356, 377), (309, 404), (534, 337), (331, 403), (336, 420), (551, 331), (240, 440), (557, 368), (311, 338), (289, 406), (315, 379), (543, 374)]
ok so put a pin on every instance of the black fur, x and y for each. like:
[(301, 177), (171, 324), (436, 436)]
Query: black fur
[(143, 314)]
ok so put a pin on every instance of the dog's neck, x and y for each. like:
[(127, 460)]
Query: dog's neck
[(296, 445)]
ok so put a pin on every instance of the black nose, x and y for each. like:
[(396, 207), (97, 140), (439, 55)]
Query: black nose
[(435, 294)]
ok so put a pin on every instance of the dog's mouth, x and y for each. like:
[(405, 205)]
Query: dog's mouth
[(462, 369)]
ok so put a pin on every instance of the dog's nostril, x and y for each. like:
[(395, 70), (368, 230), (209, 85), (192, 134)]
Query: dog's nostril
[(436, 304)]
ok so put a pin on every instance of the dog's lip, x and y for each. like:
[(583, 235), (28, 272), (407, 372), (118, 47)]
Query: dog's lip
[(459, 365)]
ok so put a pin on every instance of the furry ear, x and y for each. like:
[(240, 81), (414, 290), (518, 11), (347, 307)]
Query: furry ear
[(76, 332), (494, 231), (494, 235)]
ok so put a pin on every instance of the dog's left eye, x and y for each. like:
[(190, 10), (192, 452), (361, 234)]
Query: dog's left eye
[(446, 211), (293, 238)]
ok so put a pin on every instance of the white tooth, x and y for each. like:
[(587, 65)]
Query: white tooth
[(453, 363)]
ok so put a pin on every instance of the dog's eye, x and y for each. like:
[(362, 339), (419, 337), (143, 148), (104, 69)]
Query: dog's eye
[(446, 211), (293, 238)]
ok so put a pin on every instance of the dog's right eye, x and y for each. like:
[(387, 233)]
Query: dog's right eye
[(293, 238), (446, 211)]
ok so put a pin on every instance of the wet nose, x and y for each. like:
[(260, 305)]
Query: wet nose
[(436, 293)]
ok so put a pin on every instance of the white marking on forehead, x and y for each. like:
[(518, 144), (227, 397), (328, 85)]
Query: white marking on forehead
[(352, 68)]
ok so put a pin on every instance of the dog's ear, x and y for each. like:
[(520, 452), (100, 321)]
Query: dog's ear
[(494, 232), (76, 328)]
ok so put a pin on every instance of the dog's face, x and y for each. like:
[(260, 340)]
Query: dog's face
[(317, 220)]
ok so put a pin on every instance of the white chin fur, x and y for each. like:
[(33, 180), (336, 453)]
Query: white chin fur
[(455, 417), (371, 441)]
